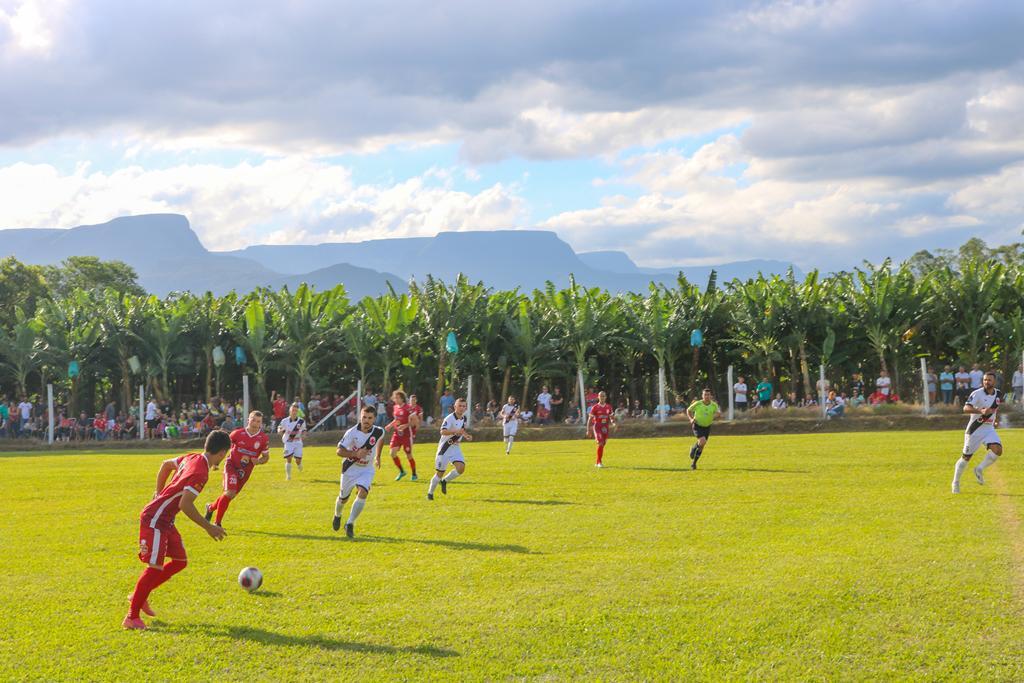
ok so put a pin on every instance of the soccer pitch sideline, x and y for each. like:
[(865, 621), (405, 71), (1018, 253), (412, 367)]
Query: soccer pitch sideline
[(833, 556)]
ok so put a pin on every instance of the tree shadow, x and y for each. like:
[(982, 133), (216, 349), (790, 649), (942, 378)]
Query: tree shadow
[(454, 545), (525, 502), (760, 469), (259, 635), (484, 483)]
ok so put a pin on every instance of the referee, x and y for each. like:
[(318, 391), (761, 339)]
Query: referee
[(701, 413)]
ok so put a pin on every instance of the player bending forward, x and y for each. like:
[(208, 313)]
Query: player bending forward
[(158, 538), (509, 423), (982, 406), (292, 428), (600, 420), (360, 447), (449, 450), (406, 420), (701, 413), (249, 447)]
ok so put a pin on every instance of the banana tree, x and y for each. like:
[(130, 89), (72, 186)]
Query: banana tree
[(258, 339), (531, 342), (305, 320), (21, 349), (69, 330), (390, 320)]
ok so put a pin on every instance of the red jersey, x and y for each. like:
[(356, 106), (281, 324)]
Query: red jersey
[(246, 447), (193, 471), (401, 413), (602, 415), (280, 409)]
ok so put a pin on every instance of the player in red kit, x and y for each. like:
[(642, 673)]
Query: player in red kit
[(404, 422), (249, 447), (158, 538), (599, 422)]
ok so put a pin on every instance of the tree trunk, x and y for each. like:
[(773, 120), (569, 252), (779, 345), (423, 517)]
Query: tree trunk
[(804, 369), (793, 371), (505, 382), (442, 359), (527, 375), (694, 362), (488, 386), (209, 374), (288, 395)]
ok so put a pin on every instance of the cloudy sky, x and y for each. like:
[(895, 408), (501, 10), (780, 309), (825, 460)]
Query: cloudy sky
[(821, 133)]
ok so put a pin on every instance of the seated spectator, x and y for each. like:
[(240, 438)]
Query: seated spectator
[(834, 405), (638, 412), (492, 410), (572, 414), (622, 412), (877, 398), (857, 400), (779, 403), (526, 416), (543, 415), (99, 427), (478, 413)]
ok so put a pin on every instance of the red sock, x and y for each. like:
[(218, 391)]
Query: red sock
[(600, 452), (398, 462), (412, 465), (169, 570), (222, 507), (149, 580)]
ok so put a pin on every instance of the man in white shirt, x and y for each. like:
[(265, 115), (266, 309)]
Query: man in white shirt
[(152, 418), (983, 407), (884, 384), (25, 409), (976, 377), (740, 391), (360, 448), (544, 399), (292, 428), (963, 384), (449, 449), (1018, 384), (509, 423)]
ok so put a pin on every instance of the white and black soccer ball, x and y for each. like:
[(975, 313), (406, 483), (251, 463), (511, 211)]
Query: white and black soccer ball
[(250, 578)]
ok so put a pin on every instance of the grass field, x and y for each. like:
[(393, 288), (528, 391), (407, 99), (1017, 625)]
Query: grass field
[(838, 556)]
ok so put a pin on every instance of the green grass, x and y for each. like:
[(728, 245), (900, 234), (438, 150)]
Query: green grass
[(837, 556)]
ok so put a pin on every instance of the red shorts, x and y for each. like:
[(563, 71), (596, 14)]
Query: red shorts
[(157, 543), (600, 434), (403, 439), (235, 477)]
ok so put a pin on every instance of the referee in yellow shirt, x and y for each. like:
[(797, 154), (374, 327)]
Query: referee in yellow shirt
[(701, 413)]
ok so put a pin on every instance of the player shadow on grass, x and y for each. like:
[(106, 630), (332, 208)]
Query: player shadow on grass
[(525, 502), (711, 469), (454, 545), (259, 635)]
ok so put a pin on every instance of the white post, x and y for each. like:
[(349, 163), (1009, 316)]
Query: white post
[(583, 398), (359, 397), (732, 399), (245, 398), (822, 394), (333, 411), (924, 386), (49, 405), (662, 402), (469, 401), (142, 412)]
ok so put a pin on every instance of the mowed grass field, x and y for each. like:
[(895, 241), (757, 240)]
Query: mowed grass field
[(837, 556)]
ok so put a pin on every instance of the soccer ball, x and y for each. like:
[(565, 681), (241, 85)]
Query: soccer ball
[(250, 578)]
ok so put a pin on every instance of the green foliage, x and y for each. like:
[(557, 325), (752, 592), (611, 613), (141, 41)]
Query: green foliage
[(91, 274)]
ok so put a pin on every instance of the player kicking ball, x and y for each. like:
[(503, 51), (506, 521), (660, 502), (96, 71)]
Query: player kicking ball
[(449, 450), (701, 413), (406, 420), (158, 537), (360, 447), (250, 446), (292, 428), (982, 405), (599, 422), (509, 423)]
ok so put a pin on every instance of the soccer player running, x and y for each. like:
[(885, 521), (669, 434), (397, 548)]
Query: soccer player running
[(250, 446), (404, 422), (982, 405), (158, 537), (360, 447), (600, 419), (292, 428), (509, 423), (449, 450), (701, 413)]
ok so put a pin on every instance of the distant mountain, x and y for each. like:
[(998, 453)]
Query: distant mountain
[(168, 256)]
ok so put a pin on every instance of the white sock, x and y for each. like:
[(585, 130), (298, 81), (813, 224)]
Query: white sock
[(961, 465), (434, 481), (451, 476), (287, 469), (339, 505), (357, 507), (298, 462), (508, 448), (990, 458)]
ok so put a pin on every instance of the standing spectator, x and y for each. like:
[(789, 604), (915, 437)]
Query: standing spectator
[(976, 376), (543, 405), (883, 385), (857, 385), (946, 385), (447, 402), (314, 408), (5, 417), (25, 408), (963, 385), (823, 386), (931, 379), (591, 397), (279, 407), (152, 418), (110, 412), (1018, 385), (557, 404), (740, 391), (764, 392)]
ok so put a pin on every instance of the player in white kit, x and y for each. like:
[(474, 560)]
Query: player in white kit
[(449, 450), (360, 447), (982, 405), (292, 429), (509, 423)]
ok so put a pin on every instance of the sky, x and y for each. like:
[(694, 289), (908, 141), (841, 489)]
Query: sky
[(818, 133)]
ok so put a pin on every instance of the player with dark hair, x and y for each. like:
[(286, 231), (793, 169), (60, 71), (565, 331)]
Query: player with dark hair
[(158, 537), (360, 447), (701, 413), (405, 421), (983, 406), (292, 428), (600, 420), (449, 450), (250, 446)]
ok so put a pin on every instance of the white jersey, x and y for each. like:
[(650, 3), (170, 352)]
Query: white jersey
[(449, 449), (293, 429), (740, 389), (356, 439), (508, 412), (980, 399)]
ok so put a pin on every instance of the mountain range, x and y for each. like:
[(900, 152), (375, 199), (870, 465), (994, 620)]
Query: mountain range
[(168, 255)]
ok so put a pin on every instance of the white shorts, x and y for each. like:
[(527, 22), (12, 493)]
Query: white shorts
[(510, 428), (983, 435), (453, 454), (293, 448), (357, 475)]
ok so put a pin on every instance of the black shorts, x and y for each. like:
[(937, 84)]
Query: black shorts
[(152, 424), (741, 405), (702, 432)]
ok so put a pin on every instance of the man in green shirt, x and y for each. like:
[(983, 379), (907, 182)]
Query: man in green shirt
[(701, 413), (764, 393)]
